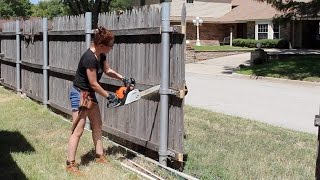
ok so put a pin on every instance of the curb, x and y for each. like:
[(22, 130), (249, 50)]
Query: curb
[(278, 80)]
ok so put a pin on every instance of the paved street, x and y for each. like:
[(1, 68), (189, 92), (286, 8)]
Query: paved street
[(282, 104)]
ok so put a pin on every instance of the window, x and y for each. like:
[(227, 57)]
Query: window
[(189, 1), (262, 31), (276, 31)]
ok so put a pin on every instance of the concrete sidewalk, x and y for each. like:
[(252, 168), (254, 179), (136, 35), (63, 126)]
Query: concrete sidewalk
[(277, 103), (219, 66)]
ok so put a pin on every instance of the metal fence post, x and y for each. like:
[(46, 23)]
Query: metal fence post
[(164, 86), (45, 61), (18, 56), (317, 124), (88, 30)]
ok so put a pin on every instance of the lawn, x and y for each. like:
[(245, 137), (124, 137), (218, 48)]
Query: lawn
[(221, 48), (304, 68), (227, 147), (33, 146)]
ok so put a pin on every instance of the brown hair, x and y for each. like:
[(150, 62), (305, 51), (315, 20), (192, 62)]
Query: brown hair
[(103, 36)]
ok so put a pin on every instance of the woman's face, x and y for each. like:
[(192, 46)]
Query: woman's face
[(104, 49)]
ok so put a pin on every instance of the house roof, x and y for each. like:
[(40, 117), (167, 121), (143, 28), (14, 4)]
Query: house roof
[(201, 8), (248, 10), (232, 11)]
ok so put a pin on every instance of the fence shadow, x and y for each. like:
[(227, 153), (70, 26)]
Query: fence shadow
[(12, 142)]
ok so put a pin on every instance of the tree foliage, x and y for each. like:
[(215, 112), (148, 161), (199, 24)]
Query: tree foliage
[(49, 9), (96, 7), (15, 8), (294, 8)]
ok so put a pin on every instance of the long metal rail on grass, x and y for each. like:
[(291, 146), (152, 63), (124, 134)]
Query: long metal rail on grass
[(138, 169)]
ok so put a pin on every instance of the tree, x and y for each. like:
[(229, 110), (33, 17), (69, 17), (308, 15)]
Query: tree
[(15, 8), (96, 7), (49, 9), (293, 8)]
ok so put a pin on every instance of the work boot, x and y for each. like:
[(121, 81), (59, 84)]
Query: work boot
[(101, 159), (72, 168)]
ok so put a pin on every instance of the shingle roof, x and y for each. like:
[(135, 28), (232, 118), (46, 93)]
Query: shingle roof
[(247, 10)]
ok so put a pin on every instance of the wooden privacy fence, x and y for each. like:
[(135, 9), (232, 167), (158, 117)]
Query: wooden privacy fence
[(136, 53)]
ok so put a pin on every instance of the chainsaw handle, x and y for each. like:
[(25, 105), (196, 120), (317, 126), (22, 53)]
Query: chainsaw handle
[(129, 82)]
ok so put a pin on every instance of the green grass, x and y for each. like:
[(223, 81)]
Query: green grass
[(304, 68), (221, 48), (33, 145), (227, 147)]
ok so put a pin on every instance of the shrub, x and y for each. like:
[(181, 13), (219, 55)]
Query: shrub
[(265, 43), (268, 43), (250, 43), (283, 44)]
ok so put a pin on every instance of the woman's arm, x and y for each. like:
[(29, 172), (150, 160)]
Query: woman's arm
[(110, 72), (92, 77)]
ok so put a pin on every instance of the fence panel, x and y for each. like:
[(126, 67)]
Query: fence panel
[(8, 48), (32, 58), (139, 56), (64, 54), (8, 43), (8, 73), (31, 42)]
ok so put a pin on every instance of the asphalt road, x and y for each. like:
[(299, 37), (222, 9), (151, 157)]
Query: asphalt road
[(286, 105)]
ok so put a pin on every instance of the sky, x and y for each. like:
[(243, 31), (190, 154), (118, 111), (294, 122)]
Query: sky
[(34, 1)]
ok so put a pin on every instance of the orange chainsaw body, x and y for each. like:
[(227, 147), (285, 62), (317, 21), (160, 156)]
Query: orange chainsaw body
[(121, 92)]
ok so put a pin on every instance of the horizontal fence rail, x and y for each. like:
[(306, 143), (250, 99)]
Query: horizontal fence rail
[(136, 53)]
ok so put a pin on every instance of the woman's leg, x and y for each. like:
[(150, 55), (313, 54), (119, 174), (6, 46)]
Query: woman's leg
[(96, 126), (75, 136)]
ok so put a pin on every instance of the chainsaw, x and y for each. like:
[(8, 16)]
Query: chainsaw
[(128, 94)]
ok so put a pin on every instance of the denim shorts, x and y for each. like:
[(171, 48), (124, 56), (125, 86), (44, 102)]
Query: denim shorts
[(75, 98)]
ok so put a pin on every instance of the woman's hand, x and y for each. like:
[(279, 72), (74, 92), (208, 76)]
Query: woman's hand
[(113, 100)]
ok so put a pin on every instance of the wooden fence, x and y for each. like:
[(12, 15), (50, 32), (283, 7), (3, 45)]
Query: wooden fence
[(136, 53)]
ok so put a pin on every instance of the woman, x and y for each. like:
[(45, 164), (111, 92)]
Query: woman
[(91, 66)]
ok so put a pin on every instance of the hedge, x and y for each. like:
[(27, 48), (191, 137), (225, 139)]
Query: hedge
[(265, 43)]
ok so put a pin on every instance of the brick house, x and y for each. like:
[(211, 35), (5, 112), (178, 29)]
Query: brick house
[(246, 18)]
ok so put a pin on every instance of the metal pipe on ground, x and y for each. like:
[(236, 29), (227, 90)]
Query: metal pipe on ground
[(138, 172), (178, 173)]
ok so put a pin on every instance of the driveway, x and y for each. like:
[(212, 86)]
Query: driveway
[(281, 104), (219, 66)]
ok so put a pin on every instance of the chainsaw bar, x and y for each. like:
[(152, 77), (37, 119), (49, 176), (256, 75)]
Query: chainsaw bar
[(135, 95)]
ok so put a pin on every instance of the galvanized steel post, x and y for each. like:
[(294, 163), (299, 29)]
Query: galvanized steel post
[(45, 60), (18, 56), (88, 31), (164, 86)]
